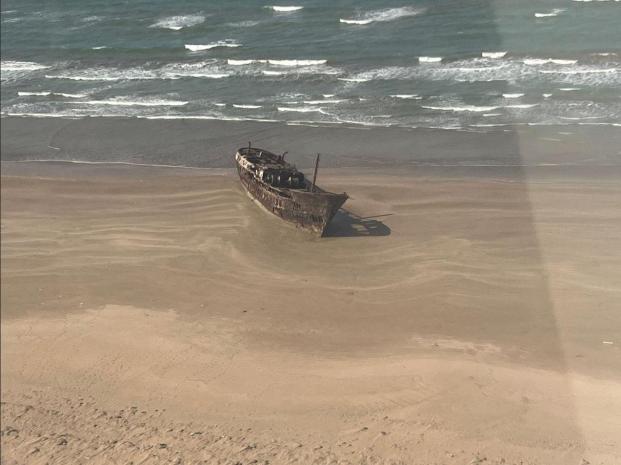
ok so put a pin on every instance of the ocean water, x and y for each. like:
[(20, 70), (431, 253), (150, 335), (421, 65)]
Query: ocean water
[(455, 64)]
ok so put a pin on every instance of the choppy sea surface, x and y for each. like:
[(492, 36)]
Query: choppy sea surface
[(455, 64)]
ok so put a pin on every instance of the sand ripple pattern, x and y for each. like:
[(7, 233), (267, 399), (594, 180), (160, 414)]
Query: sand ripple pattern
[(127, 227)]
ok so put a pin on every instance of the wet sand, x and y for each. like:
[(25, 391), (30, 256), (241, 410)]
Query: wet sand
[(210, 143), (454, 315)]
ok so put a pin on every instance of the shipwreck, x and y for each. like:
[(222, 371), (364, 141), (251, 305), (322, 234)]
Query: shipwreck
[(284, 191)]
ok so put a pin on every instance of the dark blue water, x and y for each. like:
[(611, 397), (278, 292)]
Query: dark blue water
[(452, 64)]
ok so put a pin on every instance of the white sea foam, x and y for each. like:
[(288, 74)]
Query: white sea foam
[(81, 78), (296, 62), (48, 93), (429, 59), (354, 79), (549, 14), (544, 61), (105, 75), (493, 55), (581, 71), (92, 19), (244, 24), (21, 66), (517, 95), (356, 21), (328, 95), (569, 89), (240, 62), (42, 115), (208, 69), (522, 106), (176, 23), (284, 9), (486, 125), (220, 43), (321, 102), (25, 94), (406, 96), (578, 118), (210, 117), (136, 103), (472, 108), (205, 75), (547, 95), (246, 106), (62, 94), (486, 70), (301, 109), (202, 70), (197, 48), (220, 104), (389, 14)]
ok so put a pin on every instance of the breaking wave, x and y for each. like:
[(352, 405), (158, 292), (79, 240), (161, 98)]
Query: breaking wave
[(246, 106), (429, 59), (23, 94), (248, 23), (301, 109), (321, 102), (356, 21), (47, 93), (297, 62), (220, 43), (136, 103), (354, 79), (521, 105), (549, 14), (176, 23), (493, 54), (511, 70), (240, 62), (389, 14), (472, 108), (406, 96), (284, 9), (543, 61), (21, 66)]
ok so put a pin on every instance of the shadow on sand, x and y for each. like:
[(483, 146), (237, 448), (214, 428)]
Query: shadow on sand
[(348, 224)]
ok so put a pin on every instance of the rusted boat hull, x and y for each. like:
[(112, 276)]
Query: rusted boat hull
[(309, 210)]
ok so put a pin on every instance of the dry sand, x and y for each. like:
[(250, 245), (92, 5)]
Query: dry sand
[(158, 316)]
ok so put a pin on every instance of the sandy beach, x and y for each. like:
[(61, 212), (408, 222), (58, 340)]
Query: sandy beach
[(453, 315)]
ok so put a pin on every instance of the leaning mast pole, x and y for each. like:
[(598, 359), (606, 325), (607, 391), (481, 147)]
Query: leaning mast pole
[(315, 173)]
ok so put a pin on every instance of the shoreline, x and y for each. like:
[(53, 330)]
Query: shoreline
[(521, 174), (212, 143)]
